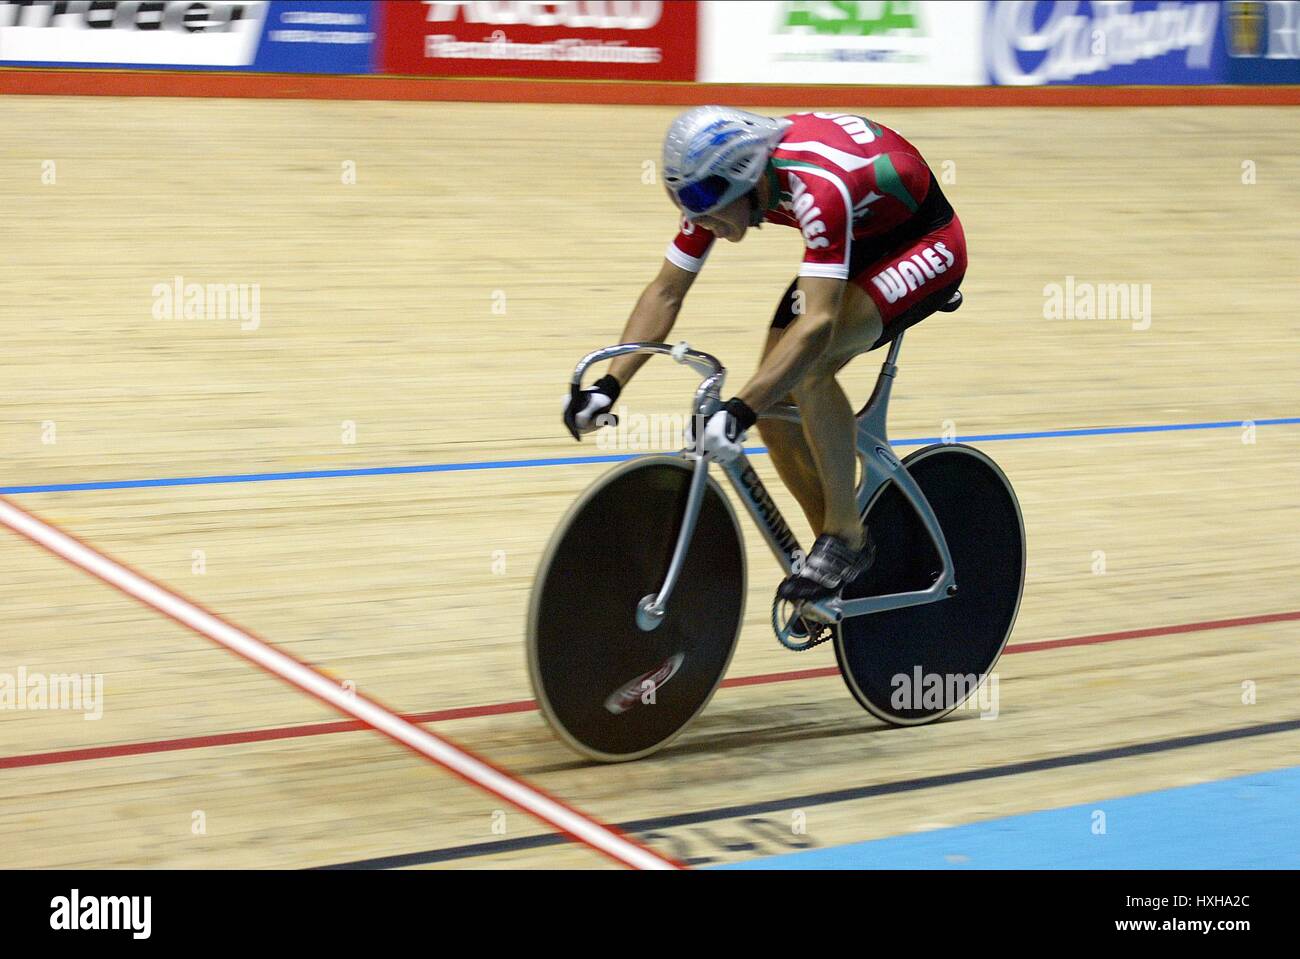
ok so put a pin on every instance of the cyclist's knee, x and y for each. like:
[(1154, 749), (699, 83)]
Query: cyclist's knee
[(819, 376)]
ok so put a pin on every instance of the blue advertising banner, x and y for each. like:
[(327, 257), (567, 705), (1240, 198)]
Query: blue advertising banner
[(1263, 41), (280, 36), (1032, 43)]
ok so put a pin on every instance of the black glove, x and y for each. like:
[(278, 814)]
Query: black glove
[(584, 408)]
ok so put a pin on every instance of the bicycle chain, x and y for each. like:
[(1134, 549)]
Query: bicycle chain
[(825, 633)]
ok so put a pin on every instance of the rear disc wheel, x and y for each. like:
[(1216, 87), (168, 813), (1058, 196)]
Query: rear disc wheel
[(914, 665)]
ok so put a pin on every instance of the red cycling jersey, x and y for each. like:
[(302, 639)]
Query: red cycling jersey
[(841, 179)]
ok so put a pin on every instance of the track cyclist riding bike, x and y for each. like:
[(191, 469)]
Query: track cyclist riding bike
[(882, 250)]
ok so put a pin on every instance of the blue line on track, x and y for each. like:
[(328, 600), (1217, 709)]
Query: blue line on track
[(1247, 822), (580, 460)]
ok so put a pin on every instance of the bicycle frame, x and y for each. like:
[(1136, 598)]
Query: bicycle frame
[(879, 467)]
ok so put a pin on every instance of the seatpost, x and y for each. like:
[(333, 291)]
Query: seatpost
[(892, 359), (871, 418)]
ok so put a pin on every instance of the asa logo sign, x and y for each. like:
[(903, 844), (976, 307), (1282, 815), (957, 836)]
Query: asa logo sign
[(848, 18)]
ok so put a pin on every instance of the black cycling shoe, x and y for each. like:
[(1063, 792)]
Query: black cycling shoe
[(828, 568)]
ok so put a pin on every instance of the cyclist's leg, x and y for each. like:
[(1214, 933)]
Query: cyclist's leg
[(828, 422), (788, 443), (884, 296), (792, 457)]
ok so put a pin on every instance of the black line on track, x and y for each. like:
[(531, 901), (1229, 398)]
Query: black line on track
[(474, 850)]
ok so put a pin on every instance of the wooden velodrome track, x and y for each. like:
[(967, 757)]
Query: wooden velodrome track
[(438, 303)]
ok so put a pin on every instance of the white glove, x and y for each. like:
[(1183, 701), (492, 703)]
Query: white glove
[(723, 437)]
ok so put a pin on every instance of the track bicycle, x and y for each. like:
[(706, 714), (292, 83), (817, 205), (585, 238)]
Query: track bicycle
[(638, 601)]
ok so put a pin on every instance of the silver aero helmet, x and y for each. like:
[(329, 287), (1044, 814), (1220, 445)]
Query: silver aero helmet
[(713, 155)]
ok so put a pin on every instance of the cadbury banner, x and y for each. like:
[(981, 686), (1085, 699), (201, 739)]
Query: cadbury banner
[(1029, 43), (298, 36), (615, 39)]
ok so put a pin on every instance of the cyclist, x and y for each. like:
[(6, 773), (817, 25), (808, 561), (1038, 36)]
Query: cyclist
[(882, 250)]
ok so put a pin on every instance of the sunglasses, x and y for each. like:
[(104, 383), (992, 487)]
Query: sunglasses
[(704, 195)]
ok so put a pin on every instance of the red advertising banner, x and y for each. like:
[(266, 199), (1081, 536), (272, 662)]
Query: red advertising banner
[(582, 39)]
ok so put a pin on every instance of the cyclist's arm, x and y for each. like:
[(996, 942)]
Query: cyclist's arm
[(803, 342), (653, 317)]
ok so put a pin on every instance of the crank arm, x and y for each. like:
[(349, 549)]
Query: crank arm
[(829, 611)]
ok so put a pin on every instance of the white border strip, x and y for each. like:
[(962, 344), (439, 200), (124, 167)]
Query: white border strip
[(433, 747)]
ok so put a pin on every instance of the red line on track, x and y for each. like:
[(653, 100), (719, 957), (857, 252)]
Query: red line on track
[(1157, 631), (147, 83), (250, 736), (528, 705)]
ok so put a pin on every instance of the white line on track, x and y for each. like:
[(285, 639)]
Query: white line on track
[(441, 751)]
